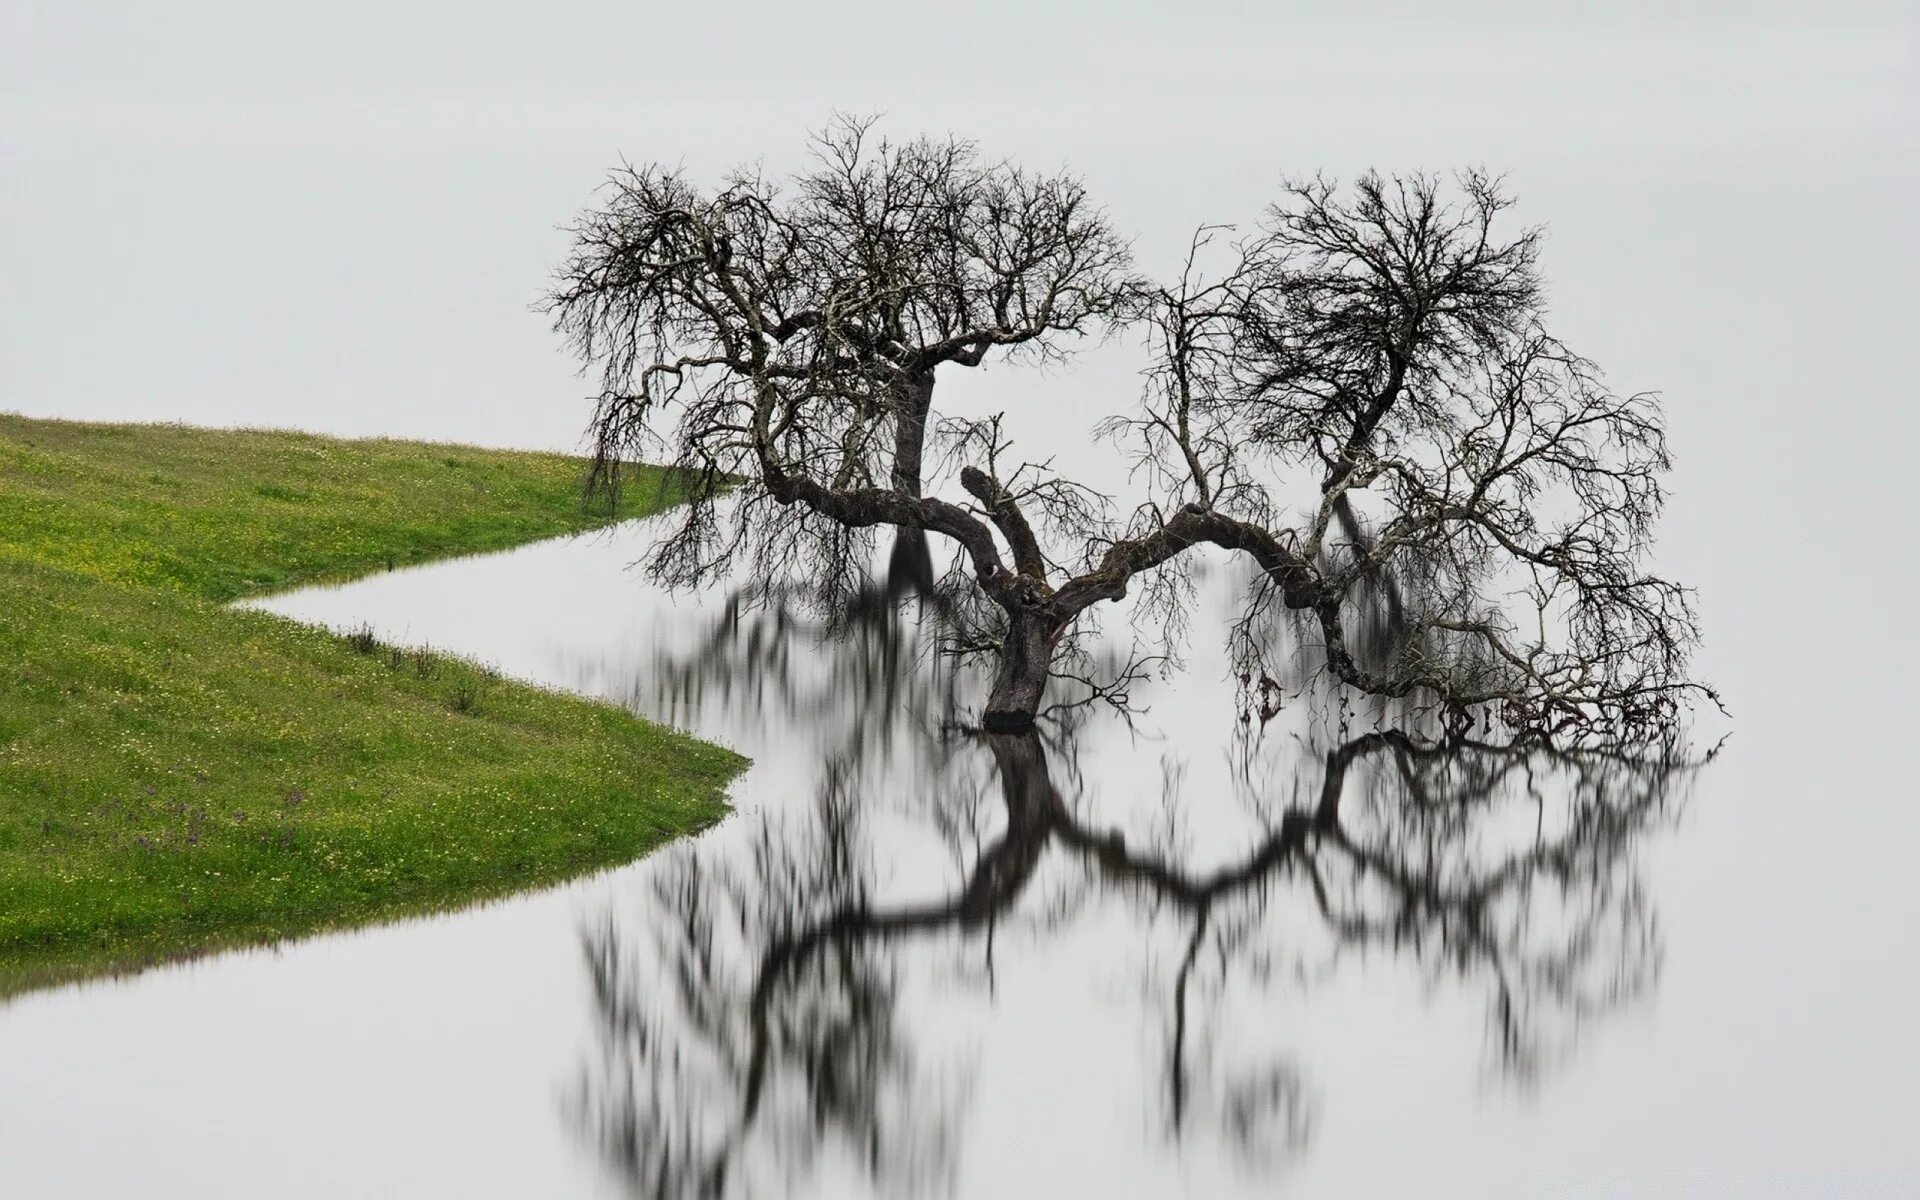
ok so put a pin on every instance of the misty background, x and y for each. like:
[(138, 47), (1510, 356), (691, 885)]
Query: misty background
[(339, 218)]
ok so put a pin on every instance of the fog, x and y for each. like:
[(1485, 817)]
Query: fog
[(341, 218)]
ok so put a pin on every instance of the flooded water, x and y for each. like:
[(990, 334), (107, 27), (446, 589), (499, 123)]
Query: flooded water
[(1177, 954)]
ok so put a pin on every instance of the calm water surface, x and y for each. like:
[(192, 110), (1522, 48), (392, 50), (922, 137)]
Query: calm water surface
[(1184, 954)]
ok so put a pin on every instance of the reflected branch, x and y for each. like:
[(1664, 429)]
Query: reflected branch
[(759, 1025)]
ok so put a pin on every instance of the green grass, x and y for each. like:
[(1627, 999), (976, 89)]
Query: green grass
[(178, 776)]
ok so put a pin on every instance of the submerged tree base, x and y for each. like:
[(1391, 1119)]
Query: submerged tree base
[(1006, 721)]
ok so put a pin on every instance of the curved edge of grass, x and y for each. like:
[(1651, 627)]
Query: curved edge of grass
[(139, 956), (180, 777)]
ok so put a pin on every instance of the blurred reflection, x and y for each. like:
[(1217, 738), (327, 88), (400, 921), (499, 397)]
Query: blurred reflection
[(758, 1022)]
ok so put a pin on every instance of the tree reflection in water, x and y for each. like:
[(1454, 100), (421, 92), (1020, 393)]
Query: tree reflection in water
[(750, 1023)]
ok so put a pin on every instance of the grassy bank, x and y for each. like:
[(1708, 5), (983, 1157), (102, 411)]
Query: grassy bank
[(177, 776)]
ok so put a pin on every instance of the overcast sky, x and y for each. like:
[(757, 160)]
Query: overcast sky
[(338, 216)]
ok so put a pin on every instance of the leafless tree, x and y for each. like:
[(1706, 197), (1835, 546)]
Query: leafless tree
[(804, 327), (1360, 397)]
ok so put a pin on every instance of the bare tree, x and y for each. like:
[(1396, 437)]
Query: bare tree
[(804, 327), (1361, 398)]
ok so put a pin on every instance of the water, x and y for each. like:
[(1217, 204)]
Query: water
[(1107, 962)]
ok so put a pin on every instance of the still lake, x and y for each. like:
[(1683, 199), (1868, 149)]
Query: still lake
[(1113, 962)]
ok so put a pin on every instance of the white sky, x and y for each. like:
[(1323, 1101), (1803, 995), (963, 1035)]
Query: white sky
[(337, 217)]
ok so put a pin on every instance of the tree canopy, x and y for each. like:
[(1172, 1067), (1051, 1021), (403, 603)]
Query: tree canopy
[(1358, 395)]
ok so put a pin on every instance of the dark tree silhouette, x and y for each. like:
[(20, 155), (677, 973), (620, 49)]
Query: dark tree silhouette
[(768, 1010), (751, 1016), (1360, 397), (811, 322)]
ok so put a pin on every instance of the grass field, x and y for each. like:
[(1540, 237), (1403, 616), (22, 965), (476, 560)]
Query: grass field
[(176, 775)]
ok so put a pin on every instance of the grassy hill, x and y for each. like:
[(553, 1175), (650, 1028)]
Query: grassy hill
[(177, 776)]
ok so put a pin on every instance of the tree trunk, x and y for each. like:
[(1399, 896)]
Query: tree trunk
[(1021, 678), (913, 402), (910, 567)]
